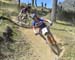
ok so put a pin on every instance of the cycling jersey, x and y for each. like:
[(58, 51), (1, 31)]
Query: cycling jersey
[(40, 23), (24, 10)]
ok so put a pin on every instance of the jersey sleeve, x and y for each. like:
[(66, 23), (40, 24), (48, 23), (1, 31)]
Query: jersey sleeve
[(33, 23), (41, 19)]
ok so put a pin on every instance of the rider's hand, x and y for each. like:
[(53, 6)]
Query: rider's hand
[(51, 24)]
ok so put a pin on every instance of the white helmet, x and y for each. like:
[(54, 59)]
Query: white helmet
[(33, 15)]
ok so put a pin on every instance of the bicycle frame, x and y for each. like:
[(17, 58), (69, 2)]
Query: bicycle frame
[(24, 21)]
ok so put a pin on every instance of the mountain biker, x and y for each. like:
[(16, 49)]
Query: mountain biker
[(24, 12), (44, 30), (40, 23)]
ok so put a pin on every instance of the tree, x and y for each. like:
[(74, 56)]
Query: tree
[(45, 5), (42, 5), (18, 3), (33, 3), (36, 3), (54, 10)]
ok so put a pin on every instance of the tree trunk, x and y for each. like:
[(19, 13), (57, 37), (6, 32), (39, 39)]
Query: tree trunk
[(33, 3), (18, 3), (42, 6), (54, 10), (36, 3)]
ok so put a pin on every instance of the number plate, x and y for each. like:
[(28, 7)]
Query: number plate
[(44, 30)]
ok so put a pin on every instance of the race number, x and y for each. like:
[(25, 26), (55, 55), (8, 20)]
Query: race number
[(44, 31)]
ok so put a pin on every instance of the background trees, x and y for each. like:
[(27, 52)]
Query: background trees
[(19, 3), (54, 9)]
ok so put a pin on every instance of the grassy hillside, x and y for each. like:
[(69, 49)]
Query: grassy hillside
[(66, 32), (14, 51), (16, 46), (8, 8)]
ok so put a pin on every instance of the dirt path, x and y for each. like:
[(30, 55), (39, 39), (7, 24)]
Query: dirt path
[(41, 49)]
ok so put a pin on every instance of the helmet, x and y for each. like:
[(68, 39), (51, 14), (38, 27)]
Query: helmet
[(29, 7), (33, 15)]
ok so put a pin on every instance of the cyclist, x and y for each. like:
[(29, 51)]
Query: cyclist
[(24, 12), (40, 23), (43, 30)]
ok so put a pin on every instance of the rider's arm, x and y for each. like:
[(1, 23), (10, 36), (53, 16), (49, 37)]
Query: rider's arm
[(47, 20), (34, 29), (20, 13)]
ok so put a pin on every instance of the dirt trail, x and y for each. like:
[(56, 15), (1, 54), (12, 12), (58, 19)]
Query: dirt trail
[(40, 48)]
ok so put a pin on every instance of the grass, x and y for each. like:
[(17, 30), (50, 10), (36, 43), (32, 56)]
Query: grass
[(16, 49), (8, 9), (66, 32), (20, 46), (63, 27), (4, 4)]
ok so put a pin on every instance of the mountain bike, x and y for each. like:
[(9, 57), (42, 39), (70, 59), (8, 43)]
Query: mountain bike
[(24, 21), (47, 35)]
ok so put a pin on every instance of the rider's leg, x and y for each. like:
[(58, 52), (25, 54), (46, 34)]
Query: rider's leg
[(51, 37), (52, 42), (45, 32), (40, 33), (42, 36), (27, 15), (55, 43), (23, 16)]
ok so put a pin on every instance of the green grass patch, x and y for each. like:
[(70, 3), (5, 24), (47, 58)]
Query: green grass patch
[(16, 49), (66, 32)]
